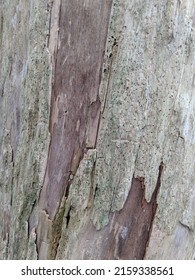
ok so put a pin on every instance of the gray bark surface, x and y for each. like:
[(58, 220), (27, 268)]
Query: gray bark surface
[(97, 129)]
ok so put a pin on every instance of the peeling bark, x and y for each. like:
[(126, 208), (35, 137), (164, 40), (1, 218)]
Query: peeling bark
[(75, 105), (93, 96), (128, 232), (129, 229)]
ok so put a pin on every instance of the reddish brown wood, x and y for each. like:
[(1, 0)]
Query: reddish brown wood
[(132, 225), (127, 234), (75, 105)]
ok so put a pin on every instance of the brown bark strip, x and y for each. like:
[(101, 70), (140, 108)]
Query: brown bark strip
[(128, 232), (75, 105), (132, 224)]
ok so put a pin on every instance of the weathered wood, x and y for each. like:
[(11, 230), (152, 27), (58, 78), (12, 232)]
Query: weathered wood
[(97, 129), (24, 106), (75, 105)]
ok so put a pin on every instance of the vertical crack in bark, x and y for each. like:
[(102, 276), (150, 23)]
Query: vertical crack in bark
[(68, 217), (92, 189), (36, 246), (58, 221), (31, 216), (111, 57), (57, 228), (154, 204)]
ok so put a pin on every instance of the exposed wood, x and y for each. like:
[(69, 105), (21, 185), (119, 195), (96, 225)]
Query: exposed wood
[(75, 105), (97, 129)]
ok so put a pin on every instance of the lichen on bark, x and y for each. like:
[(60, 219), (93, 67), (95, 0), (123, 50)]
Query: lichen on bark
[(91, 105), (24, 81)]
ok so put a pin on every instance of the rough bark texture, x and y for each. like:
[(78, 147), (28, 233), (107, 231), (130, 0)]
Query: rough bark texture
[(97, 130)]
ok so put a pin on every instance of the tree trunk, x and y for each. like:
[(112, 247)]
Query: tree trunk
[(97, 129)]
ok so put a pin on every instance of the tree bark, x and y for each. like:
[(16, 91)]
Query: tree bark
[(97, 130)]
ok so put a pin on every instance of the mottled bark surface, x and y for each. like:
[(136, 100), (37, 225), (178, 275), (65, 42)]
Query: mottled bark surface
[(97, 129), (24, 106)]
